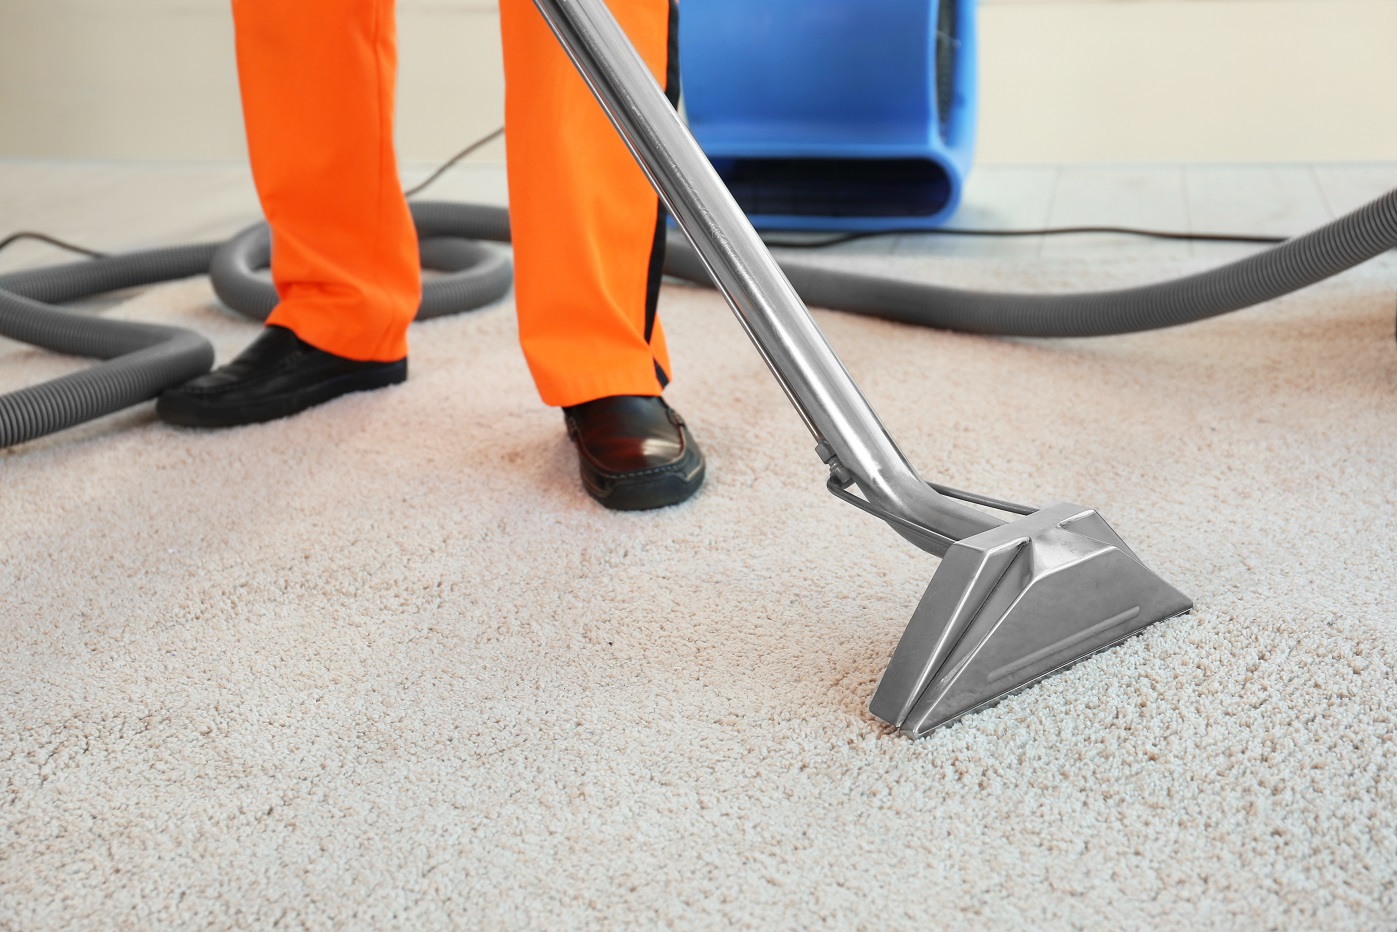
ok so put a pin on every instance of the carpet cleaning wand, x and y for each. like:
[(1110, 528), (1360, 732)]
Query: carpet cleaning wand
[(1011, 602)]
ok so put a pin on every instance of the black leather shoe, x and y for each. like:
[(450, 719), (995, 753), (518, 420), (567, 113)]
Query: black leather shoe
[(277, 375), (635, 452)]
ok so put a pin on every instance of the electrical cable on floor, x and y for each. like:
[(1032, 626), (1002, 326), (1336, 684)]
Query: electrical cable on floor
[(845, 237), (850, 237), (82, 250), (1047, 231), (51, 240), (453, 160)]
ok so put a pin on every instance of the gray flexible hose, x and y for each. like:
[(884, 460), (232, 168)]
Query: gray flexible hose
[(1341, 244), (142, 358), (475, 275), (145, 358)]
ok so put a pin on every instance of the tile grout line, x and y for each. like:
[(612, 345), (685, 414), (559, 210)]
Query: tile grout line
[(1188, 214), (1048, 212), (1323, 194)]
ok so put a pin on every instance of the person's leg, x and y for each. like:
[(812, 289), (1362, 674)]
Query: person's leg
[(588, 236), (317, 80)]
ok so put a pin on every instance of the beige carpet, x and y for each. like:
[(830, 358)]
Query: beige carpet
[(384, 665)]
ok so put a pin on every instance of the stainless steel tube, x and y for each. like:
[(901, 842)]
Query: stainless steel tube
[(770, 310)]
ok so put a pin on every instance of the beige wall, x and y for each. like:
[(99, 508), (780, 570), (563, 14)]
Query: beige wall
[(1189, 80), (1062, 80)]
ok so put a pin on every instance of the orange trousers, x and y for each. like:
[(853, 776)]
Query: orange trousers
[(317, 80)]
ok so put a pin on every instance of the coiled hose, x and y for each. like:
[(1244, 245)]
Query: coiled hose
[(145, 358), (446, 236), (142, 358)]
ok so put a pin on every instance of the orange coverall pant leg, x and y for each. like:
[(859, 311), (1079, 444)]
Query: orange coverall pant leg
[(317, 80), (588, 229)]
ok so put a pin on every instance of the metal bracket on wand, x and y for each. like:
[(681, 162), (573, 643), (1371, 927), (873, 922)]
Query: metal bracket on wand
[(766, 304)]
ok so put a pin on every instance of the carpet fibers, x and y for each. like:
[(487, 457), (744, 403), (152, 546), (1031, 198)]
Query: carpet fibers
[(384, 665)]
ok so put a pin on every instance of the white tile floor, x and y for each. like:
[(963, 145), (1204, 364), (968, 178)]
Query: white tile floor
[(116, 206)]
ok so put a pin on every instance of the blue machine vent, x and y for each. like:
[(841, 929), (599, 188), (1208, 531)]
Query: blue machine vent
[(834, 114)]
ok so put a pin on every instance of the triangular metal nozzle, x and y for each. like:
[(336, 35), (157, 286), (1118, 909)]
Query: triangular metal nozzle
[(1012, 605)]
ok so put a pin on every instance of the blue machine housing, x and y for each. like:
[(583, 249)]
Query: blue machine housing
[(834, 114)]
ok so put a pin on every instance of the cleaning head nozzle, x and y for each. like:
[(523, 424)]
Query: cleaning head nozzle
[(1012, 605)]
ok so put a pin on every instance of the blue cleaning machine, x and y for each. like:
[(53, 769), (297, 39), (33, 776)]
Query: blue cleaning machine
[(834, 114)]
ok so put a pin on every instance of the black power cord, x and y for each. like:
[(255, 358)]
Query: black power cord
[(1046, 231), (83, 250), (453, 160), (52, 241), (849, 237)]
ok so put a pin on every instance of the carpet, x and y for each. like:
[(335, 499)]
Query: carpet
[(384, 664)]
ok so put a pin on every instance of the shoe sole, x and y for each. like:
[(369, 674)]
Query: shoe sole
[(185, 411), (675, 484), (648, 494)]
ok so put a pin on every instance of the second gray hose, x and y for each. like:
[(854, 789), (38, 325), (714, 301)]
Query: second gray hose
[(1341, 244)]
